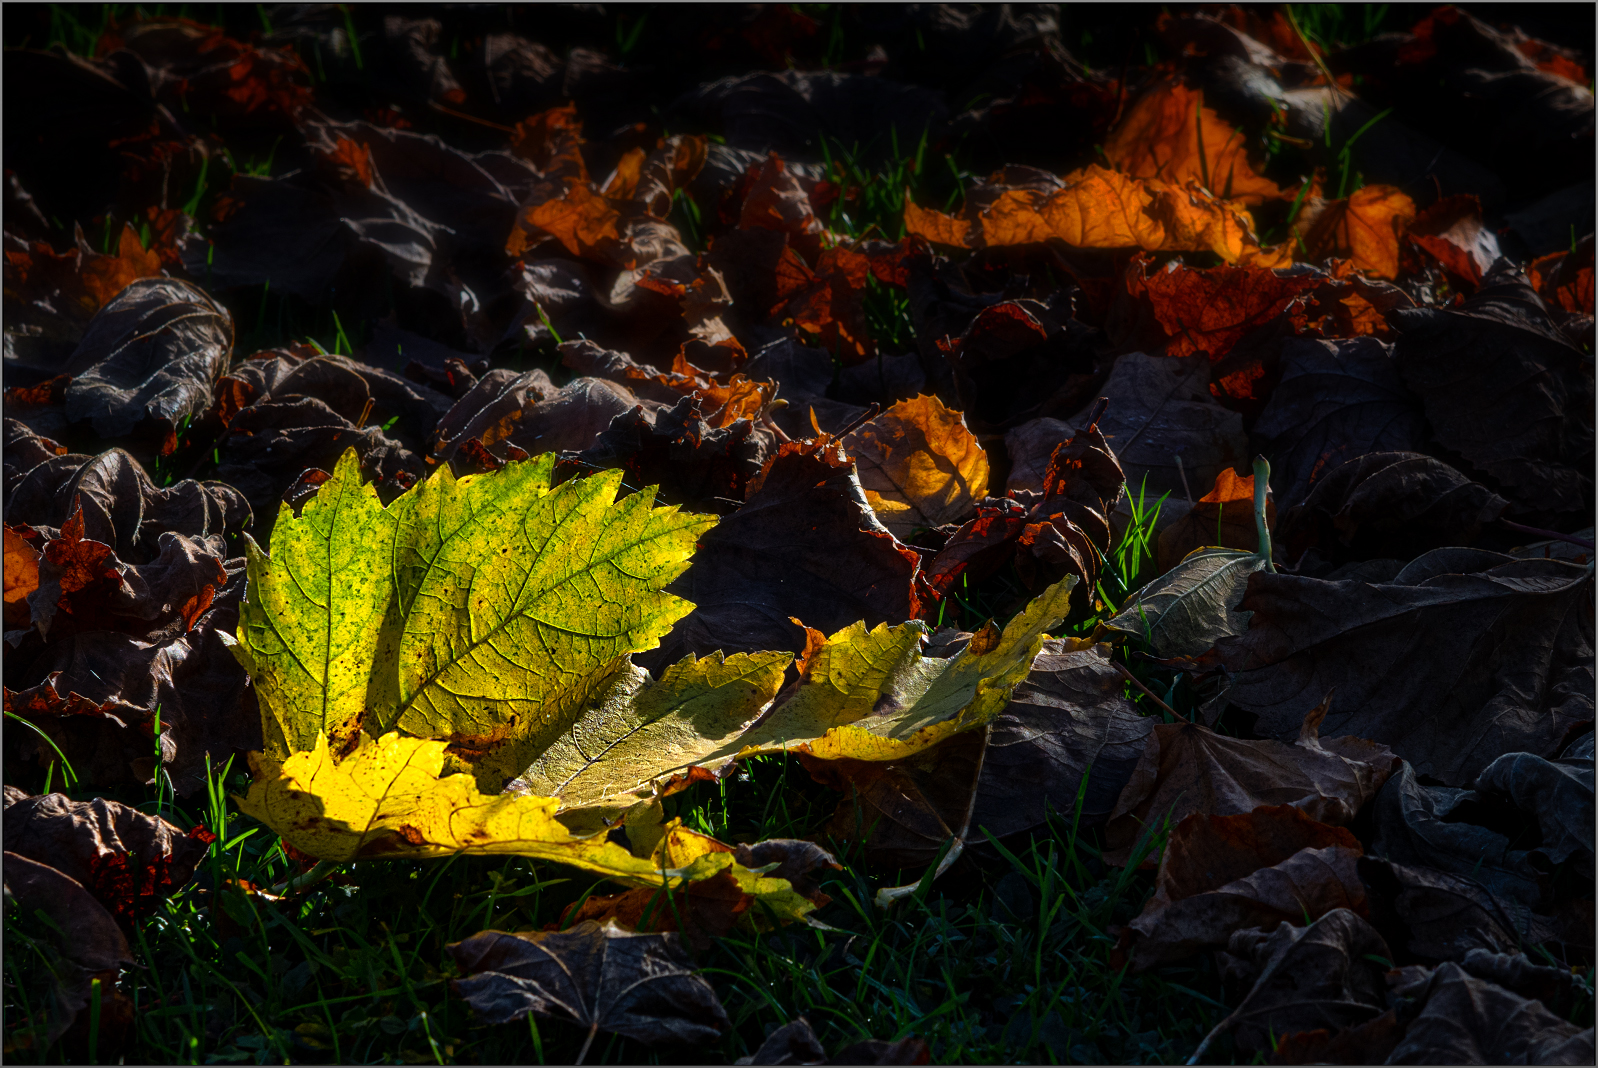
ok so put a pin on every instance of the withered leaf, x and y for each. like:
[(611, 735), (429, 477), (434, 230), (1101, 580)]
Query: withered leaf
[(1224, 516), (1436, 916), (1336, 400), (805, 545), (1431, 827), (1457, 1018), (1190, 310), (1186, 768), (1504, 389), (1019, 360), (155, 349), (1221, 874), (127, 859), (1558, 793), (1383, 647), (1320, 975), (86, 945), (641, 986), (1366, 227), (1164, 424), (1394, 505), (919, 465)]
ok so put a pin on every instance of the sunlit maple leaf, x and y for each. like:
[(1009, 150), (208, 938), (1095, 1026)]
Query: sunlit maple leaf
[(1366, 228), (21, 577), (584, 222), (935, 226), (1169, 135)]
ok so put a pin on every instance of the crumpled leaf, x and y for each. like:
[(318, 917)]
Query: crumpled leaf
[(1431, 827), (740, 397), (1184, 611), (1221, 874), (1320, 975), (1063, 530), (1366, 227), (1504, 389), (528, 413), (1186, 768), (408, 625), (1435, 916), (919, 465), (126, 859), (155, 349), (21, 578), (1525, 686), (1337, 400), (1394, 505), (122, 508), (1459, 1019), (805, 545), (1452, 232), (1558, 793), (84, 943), (1169, 134), (642, 986)]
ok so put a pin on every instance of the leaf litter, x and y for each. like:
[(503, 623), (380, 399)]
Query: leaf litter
[(498, 466)]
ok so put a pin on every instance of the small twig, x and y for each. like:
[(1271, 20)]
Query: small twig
[(869, 414), (436, 106), (1183, 472), (1135, 681), (1552, 535)]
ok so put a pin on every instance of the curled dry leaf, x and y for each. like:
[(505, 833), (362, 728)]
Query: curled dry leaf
[(152, 355), (1435, 916), (603, 978), (86, 948), (1557, 793), (1367, 228), (919, 465), (126, 859), (1456, 1018), (1186, 768), (1383, 648), (1221, 874)]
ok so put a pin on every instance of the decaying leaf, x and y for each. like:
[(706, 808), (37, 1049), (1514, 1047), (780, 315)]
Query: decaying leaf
[(642, 986), (1188, 769), (1366, 227), (1385, 649)]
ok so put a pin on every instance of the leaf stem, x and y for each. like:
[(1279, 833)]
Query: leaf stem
[(1262, 484), (1135, 681)]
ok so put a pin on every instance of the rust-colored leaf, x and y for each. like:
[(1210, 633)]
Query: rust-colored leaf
[(1208, 310), (1170, 135), (1224, 516), (21, 577), (1366, 228), (935, 226)]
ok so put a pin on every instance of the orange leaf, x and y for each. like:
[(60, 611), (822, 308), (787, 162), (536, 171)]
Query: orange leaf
[(1224, 516), (1366, 228), (1168, 134), (582, 221), (623, 181), (1013, 219), (551, 141), (353, 160), (1197, 222), (934, 226), (21, 578), (1101, 208), (1565, 279)]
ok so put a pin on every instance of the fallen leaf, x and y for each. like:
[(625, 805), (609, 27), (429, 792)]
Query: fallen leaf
[(641, 986), (919, 465), (1169, 134), (1394, 505), (1186, 768), (1336, 400), (152, 355), (1366, 227), (1451, 231), (1207, 310), (1565, 279), (85, 948), (1221, 874), (1504, 389), (21, 578), (1303, 978), (341, 638), (1450, 718), (1557, 793), (1459, 1019), (1436, 916), (126, 859), (804, 545)]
